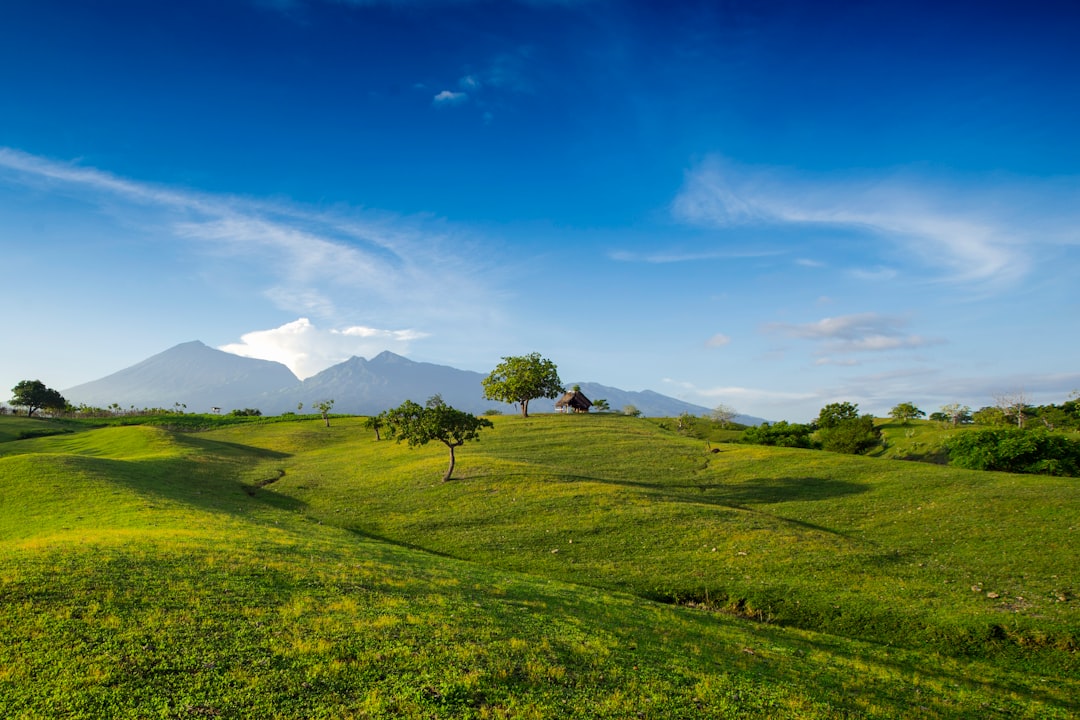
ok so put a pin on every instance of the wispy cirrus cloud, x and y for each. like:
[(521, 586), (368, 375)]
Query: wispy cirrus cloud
[(334, 264), (863, 332), (675, 256), (981, 231)]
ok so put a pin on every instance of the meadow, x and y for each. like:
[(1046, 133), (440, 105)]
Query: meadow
[(576, 566)]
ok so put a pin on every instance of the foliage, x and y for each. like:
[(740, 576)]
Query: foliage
[(34, 395), (905, 412), (850, 436), (724, 414), (247, 412), (841, 429), (435, 421), (953, 413), (519, 379), (835, 413), (780, 434), (989, 416), (601, 405), (375, 422), (324, 408), (631, 410), (1016, 450)]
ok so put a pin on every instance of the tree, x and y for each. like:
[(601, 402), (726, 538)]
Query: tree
[(906, 412), (851, 436), (1013, 406), (375, 422), (631, 410), (34, 396), (601, 405), (419, 425), (781, 434), (835, 413), (956, 413), (324, 409), (723, 414), (842, 429), (519, 379)]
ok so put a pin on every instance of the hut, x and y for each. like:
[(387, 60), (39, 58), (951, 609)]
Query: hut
[(573, 401)]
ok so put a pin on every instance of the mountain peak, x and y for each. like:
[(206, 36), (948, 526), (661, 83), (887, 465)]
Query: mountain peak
[(387, 357)]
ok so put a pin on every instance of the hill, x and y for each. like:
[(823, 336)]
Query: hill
[(582, 566), (200, 378)]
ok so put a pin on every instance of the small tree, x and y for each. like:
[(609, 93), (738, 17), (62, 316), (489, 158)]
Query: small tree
[(34, 396), (723, 414), (375, 422), (419, 425), (906, 412), (324, 409), (631, 410), (1013, 406), (601, 405), (956, 413), (519, 379)]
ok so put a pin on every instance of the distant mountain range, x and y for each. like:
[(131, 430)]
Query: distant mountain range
[(201, 378)]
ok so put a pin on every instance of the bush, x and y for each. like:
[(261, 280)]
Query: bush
[(853, 436), (780, 434), (1015, 450), (247, 412)]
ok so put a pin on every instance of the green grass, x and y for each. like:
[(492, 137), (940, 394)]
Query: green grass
[(286, 569)]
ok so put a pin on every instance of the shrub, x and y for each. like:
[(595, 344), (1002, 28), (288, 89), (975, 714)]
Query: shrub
[(852, 436), (1012, 449), (780, 434)]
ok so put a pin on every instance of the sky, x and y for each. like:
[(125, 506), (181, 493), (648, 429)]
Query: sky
[(767, 205)]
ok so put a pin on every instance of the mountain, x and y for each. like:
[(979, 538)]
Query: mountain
[(191, 374), (366, 387), (651, 404), (202, 378)]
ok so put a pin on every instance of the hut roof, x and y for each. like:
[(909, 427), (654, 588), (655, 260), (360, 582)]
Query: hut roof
[(574, 399)]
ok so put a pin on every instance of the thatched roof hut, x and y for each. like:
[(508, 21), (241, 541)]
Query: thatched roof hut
[(573, 401)]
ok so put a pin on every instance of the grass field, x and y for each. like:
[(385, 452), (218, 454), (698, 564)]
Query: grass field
[(577, 566)]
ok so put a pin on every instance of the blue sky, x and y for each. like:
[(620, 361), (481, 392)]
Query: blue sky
[(769, 205)]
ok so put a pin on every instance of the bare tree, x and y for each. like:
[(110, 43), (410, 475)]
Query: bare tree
[(1013, 406)]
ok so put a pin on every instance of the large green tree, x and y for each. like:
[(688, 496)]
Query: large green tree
[(519, 379), (34, 395), (835, 413), (842, 429), (905, 412), (419, 425)]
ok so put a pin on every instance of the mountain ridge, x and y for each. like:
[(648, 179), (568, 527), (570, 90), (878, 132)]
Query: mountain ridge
[(201, 378)]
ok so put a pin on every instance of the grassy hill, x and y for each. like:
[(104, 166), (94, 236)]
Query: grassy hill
[(578, 566)]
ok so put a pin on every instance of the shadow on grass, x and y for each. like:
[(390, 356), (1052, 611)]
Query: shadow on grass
[(756, 491), (207, 484)]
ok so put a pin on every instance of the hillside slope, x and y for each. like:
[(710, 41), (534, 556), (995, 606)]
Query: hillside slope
[(293, 570)]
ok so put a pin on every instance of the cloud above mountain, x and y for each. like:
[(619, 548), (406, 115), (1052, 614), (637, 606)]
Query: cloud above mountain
[(307, 349)]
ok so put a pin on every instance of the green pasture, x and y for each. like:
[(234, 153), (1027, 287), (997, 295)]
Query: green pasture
[(577, 566)]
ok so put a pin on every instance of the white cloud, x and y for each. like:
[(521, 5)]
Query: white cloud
[(449, 97), (984, 232), (862, 332), (469, 82), (306, 349), (663, 258), (718, 340)]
